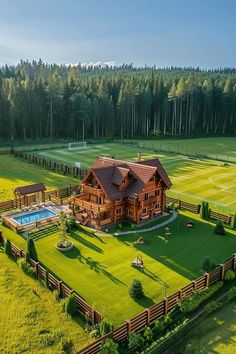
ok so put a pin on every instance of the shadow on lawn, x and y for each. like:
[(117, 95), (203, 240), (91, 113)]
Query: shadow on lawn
[(98, 268), (145, 301), (73, 253), (184, 250), (85, 242)]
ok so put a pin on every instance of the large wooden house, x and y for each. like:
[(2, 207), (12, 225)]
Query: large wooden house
[(114, 190)]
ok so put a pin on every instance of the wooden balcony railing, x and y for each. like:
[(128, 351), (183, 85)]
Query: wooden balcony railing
[(149, 201), (92, 206), (92, 190)]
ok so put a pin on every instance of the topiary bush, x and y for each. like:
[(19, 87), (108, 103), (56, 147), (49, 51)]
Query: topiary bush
[(229, 275), (7, 248), (233, 222), (71, 305), (158, 326), (219, 228), (206, 265), (136, 289), (109, 347), (32, 250)]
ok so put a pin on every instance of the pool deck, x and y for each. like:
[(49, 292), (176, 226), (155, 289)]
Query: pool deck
[(17, 227)]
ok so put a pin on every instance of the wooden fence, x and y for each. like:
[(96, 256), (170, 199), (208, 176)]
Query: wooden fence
[(151, 314), (50, 164), (63, 290), (56, 195), (195, 208)]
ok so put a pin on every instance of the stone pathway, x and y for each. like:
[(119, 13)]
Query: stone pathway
[(158, 226)]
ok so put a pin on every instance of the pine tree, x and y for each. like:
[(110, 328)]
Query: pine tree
[(32, 250), (136, 290), (219, 228), (7, 248), (233, 221), (71, 305)]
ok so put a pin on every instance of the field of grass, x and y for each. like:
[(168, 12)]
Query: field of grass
[(193, 180), (31, 320), (216, 333), (217, 146), (99, 268), (15, 173)]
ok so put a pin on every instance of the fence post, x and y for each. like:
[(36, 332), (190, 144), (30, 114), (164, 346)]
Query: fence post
[(207, 277), (165, 305), (222, 271), (180, 294), (148, 316), (234, 261), (194, 285), (93, 316), (37, 268), (59, 288), (128, 326)]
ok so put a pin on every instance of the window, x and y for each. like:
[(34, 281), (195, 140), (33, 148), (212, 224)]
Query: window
[(157, 192), (144, 211), (157, 206), (119, 200), (119, 211), (152, 179), (123, 181), (146, 196), (130, 213)]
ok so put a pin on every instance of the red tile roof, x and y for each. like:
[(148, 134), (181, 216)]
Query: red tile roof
[(110, 173)]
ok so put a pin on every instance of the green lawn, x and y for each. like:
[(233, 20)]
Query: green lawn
[(193, 180), (215, 334), (99, 267), (30, 316), (15, 173)]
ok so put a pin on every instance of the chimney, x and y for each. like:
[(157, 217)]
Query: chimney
[(139, 158)]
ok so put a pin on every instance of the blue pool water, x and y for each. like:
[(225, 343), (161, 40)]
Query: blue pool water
[(33, 216)]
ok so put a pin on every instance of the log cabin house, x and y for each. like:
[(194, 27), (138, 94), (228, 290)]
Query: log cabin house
[(114, 190)]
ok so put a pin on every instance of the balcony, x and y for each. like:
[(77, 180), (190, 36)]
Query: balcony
[(149, 201), (82, 202), (92, 190)]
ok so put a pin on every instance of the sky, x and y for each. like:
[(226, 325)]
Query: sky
[(199, 33)]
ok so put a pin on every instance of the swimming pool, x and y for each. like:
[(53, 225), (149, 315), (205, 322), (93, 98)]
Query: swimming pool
[(33, 216)]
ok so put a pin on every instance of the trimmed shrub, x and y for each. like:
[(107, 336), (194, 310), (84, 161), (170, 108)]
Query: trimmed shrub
[(105, 327), (71, 305), (167, 320), (136, 290), (109, 347), (136, 341), (26, 267), (219, 228), (229, 275), (7, 248), (206, 210), (27, 258), (233, 222), (32, 250), (202, 210)]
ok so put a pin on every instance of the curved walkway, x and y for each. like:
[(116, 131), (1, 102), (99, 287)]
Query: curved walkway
[(158, 226)]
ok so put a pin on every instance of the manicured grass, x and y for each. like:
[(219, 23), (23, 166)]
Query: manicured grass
[(15, 173), (216, 333), (30, 316), (99, 268), (216, 146), (193, 180)]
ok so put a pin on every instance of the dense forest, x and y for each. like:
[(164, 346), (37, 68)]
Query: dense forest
[(40, 101)]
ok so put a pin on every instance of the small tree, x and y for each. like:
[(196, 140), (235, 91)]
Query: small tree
[(63, 228), (148, 334), (202, 210), (27, 258), (136, 290), (32, 250), (219, 228), (206, 210), (70, 305), (109, 347), (136, 341), (7, 248), (233, 222), (206, 265), (229, 275)]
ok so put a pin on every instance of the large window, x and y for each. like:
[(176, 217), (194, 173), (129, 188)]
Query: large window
[(119, 211), (144, 211), (130, 213)]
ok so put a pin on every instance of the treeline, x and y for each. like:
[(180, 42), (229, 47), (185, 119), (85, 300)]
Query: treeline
[(40, 101)]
